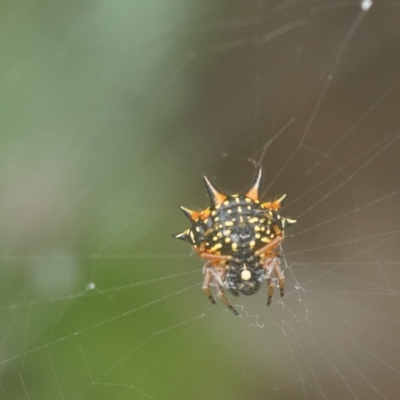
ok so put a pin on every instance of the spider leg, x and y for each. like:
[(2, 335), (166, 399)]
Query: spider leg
[(215, 257), (215, 275), (271, 267), (281, 278), (208, 277), (269, 246), (271, 288), (221, 295)]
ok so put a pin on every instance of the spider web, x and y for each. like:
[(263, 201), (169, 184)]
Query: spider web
[(112, 111)]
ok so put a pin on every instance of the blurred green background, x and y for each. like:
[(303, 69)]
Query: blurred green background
[(110, 113)]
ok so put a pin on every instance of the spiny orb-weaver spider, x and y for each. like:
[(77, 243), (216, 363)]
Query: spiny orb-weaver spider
[(238, 236)]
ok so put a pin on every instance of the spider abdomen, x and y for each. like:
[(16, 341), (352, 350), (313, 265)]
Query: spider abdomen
[(237, 227)]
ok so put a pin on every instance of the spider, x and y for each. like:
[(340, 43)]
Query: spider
[(238, 236)]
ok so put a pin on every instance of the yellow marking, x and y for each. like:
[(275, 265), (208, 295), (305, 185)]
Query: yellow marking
[(236, 198), (263, 228), (227, 232), (197, 229), (258, 236), (207, 232), (272, 235), (217, 206), (213, 213), (227, 239), (229, 211), (239, 209), (228, 223), (248, 200), (265, 240), (206, 220), (226, 202), (278, 216), (234, 246), (249, 207), (257, 228), (245, 275), (241, 219), (216, 247), (191, 236), (252, 244), (235, 195), (216, 219), (255, 219), (270, 213), (268, 231), (215, 238)]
